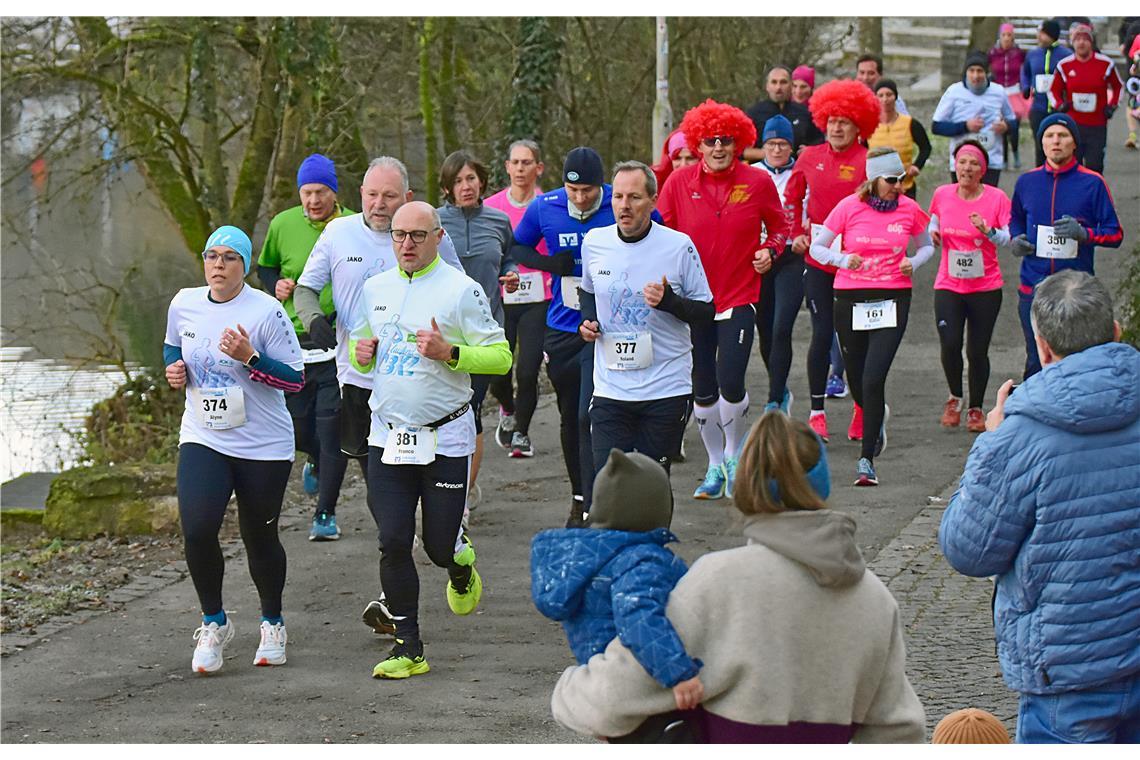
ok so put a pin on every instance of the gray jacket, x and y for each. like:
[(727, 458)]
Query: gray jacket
[(483, 238)]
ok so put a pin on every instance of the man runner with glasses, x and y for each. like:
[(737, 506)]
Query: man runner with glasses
[(734, 216), (349, 251), (431, 326)]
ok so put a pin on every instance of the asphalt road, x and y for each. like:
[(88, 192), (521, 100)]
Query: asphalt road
[(124, 676)]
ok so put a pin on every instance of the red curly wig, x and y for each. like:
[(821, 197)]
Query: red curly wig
[(848, 99), (712, 119)]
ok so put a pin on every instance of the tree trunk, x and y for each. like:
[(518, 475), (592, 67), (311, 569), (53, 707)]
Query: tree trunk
[(448, 108), (427, 114), (535, 73), (214, 193), (871, 35), (983, 32)]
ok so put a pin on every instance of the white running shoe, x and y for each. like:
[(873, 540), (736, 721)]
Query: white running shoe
[(212, 640), (271, 651)]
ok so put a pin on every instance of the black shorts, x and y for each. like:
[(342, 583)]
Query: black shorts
[(355, 420), (321, 395)]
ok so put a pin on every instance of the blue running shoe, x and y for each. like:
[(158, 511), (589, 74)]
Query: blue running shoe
[(866, 473), (786, 403), (836, 388), (713, 485), (309, 479), (771, 406), (729, 475), (324, 528)]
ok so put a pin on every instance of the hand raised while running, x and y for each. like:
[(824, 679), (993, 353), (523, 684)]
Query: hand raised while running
[(430, 343)]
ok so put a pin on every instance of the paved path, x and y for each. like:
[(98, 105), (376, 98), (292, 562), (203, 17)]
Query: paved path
[(123, 675)]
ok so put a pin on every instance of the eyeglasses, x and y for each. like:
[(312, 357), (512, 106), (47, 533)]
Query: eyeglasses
[(894, 180), (725, 140), (417, 236), (228, 257)]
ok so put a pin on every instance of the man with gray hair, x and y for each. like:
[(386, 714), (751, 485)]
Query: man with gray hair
[(1050, 504), (642, 286), (349, 251)]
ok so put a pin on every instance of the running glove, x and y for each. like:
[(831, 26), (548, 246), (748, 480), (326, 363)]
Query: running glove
[(1069, 227), (563, 263), (1109, 111), (1020, 246), (321, 333)]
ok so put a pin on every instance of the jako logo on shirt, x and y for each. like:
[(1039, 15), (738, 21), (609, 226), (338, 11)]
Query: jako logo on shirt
[(567, 239), (354, 259)]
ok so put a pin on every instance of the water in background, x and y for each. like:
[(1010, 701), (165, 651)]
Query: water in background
[(43, 403)]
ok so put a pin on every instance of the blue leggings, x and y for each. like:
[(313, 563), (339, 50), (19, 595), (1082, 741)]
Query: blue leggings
[(206, 480)]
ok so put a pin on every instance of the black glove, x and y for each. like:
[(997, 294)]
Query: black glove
[(1069, 227), (1062, 108), (1109, 111), (1020, 246), (564, 263), (321, 332)]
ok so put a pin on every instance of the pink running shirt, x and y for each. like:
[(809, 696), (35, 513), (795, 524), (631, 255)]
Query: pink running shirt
[(958, 234), (880, 237), (500, 201)]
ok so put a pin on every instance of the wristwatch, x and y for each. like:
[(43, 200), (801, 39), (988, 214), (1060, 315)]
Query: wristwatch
[(455, 353), (252, 361)]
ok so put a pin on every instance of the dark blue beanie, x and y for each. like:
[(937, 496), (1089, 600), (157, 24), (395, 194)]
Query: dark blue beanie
[(583, 166), (778, 127), (1064, 120), (317, 168)]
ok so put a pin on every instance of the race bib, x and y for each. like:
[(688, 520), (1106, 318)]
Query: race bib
[(409, 444), (836, 245), (530, 289), (986, 137), (1012, 89), (1042, 83), (874, 315), (219, 408), (622, 351), (570, 297), (965, 265), (1050, 245), (1085, 102)]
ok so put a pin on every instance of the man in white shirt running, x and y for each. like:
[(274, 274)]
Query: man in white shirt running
[(642, 286), (431, 326)]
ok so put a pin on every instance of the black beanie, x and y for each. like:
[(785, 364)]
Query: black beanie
[(583, 166), (631, 492), (1051, 28), (889, 84), (976, 58)]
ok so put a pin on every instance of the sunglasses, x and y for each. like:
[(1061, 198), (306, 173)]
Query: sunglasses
[(894, 180), (711, 142)]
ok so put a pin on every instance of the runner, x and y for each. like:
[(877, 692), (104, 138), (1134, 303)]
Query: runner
[(968, 221), (483, 237), (873, 286), (782, 286), (234, 351), (722, 204), (349, 251), (430, 327), (903, 133), (977, 109), (869, 70), (560, 218), (316, 408), (1059, 213), (778, 87), (1037, 76), (524, 309), (1006, 60), (642, 287), (832, 171), (1087, 87), (803, 84), (674, 154)]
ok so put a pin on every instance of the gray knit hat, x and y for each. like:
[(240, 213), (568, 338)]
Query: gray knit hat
[(631, 493)]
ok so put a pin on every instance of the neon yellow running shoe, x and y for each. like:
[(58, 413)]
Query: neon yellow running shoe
[(465, 603), (466, 555), (406, 659)]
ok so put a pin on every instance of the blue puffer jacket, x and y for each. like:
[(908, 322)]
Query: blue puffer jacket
[(606, 583), (1050, 503)]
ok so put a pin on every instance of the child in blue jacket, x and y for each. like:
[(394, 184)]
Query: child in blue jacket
[(614, 577)]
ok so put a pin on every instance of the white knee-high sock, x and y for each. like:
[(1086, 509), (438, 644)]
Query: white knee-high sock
[(708, 422), (733, 419)]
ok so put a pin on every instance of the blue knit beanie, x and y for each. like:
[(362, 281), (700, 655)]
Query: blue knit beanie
[(778, 128), (231, 237), (317, 168), (1064, 120)]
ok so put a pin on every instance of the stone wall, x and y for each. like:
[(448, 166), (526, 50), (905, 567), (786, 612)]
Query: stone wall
[(112, 500)]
